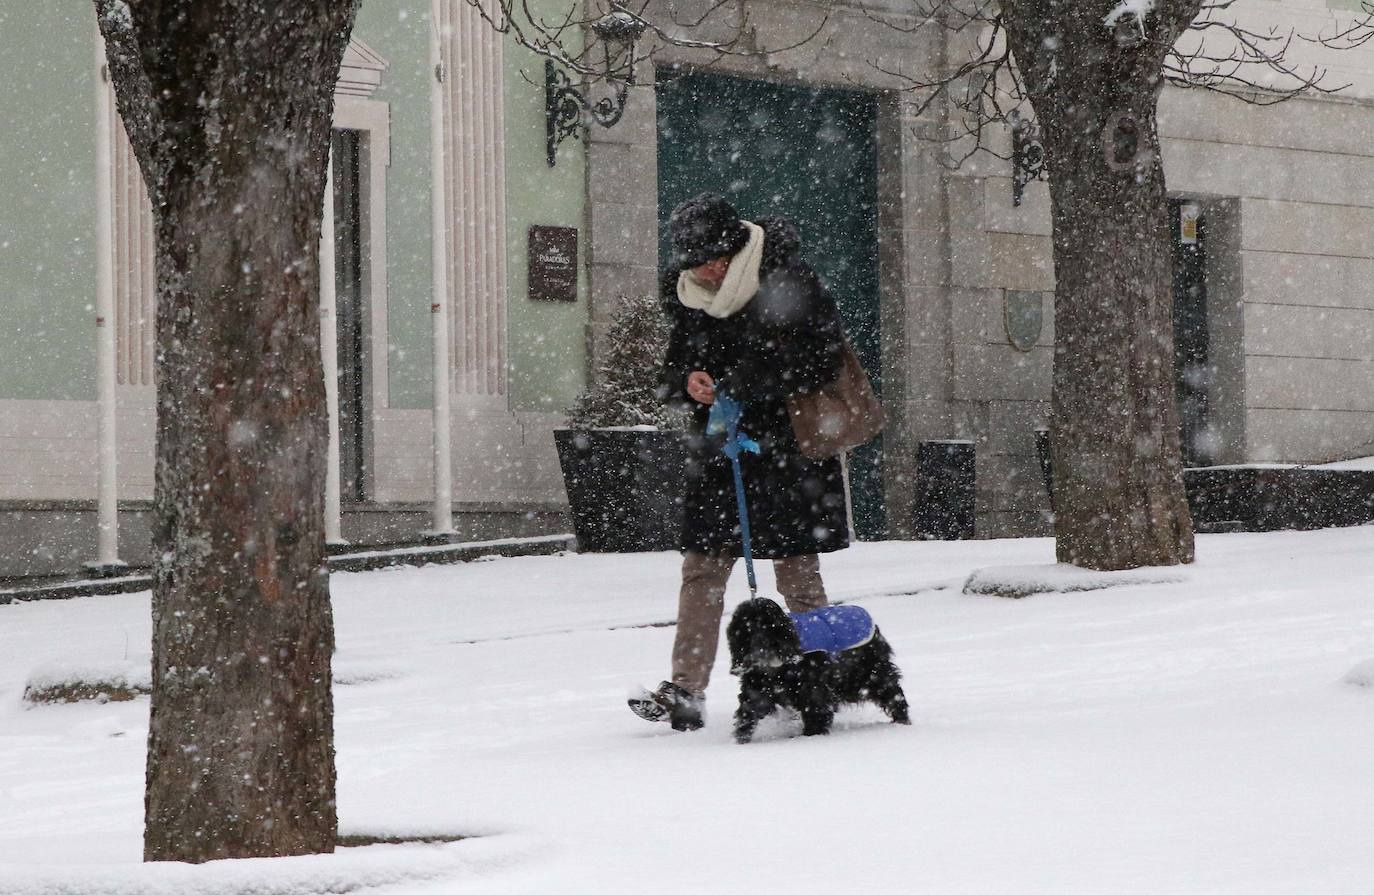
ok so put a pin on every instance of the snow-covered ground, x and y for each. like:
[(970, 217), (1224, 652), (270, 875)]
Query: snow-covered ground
[(1184, 736), (1359, 463)]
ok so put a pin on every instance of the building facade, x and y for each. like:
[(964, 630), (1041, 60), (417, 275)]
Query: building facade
[(945, 282), (1272, 208), (515, 364)]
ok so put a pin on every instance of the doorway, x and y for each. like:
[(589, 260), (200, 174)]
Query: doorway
[(1192, 354), (349, 313), (804, 153)]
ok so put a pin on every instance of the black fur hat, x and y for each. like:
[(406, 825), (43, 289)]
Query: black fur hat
[(703, 228)]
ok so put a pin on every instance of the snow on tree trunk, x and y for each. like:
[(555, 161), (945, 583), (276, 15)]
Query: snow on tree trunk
[(228, 107), (1093, 72)]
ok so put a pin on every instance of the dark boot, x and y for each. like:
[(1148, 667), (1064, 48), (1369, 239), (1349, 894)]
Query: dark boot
[(671, 703)]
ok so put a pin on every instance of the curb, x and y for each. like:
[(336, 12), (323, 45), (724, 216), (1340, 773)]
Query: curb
[(355, 561)]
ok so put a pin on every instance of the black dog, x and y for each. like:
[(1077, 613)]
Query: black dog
[(766, 653)]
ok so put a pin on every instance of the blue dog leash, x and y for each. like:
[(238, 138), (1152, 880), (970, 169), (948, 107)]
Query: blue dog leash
[(726, 414)]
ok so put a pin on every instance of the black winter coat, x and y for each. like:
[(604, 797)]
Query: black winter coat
[(786, 340)]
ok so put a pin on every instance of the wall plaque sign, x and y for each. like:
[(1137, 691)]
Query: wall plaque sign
[(1024, 316), (553, 263)]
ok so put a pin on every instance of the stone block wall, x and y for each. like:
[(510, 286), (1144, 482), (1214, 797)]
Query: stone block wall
[(1300, 180)]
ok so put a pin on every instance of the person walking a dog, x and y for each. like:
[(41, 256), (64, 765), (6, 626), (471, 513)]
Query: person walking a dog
[(752, 320)]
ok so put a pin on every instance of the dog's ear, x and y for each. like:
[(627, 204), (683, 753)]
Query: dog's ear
[(735, 642), (769, 638), (786, 643), (751, 634), (737, 637)]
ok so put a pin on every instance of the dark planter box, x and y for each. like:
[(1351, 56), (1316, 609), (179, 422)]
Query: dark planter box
[(1264, 499), (943, 509), (1260, 498), (624, 486)]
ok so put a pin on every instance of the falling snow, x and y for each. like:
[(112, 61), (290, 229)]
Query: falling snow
[(1157, 323)]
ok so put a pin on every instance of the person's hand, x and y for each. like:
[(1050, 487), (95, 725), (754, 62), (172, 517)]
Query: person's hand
[(701, 387)]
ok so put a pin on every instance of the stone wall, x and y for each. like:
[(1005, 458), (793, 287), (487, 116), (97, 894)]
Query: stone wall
[(1288, 192)]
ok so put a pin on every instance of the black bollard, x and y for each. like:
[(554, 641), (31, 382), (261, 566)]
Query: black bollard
[(1042, 453)]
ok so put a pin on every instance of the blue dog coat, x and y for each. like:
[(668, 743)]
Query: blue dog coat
[(833, 629)]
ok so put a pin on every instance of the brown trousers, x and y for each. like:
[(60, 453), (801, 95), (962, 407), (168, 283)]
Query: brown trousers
[(702, 602)]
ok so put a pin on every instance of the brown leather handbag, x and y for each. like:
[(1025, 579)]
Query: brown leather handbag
[(839, 416)]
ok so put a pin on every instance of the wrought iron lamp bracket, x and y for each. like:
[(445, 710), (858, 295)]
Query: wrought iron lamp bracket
[(1027, 156), (566, 110)]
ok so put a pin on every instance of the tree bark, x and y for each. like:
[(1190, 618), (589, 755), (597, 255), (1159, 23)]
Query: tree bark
[(228, 106), (1119, 497)]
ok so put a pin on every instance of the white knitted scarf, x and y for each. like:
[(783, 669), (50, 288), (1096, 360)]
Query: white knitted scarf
[(739, 286)]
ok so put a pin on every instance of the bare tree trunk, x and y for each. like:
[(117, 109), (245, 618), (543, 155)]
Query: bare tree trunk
[(1119, 495), (1118, 476), (228, 106)]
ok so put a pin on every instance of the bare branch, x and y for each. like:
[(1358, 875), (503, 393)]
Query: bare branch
[(1356, 34), (1254, 67), (982, 89), (553, 40), (1222, 56), (942, 14)]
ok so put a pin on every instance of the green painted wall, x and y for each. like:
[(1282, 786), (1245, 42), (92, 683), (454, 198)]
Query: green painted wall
[(47, 193), (547, 340), (399, 31), (548, 351), (47, 233)]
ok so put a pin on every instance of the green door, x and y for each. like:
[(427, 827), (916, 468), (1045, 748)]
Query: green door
[(805, 154)]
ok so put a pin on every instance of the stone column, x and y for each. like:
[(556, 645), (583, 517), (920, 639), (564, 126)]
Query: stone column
[(622, 210)]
